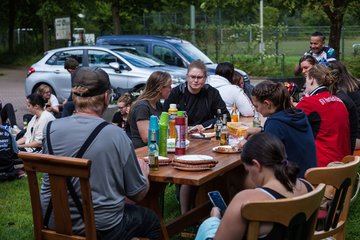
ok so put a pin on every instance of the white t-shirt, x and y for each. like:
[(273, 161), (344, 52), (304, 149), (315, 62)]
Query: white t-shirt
[(34, 131)]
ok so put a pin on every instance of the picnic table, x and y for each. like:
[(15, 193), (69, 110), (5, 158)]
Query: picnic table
[(217, 178)]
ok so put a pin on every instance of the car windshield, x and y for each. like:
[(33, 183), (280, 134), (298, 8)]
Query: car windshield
[(191, 53), (139, 59)]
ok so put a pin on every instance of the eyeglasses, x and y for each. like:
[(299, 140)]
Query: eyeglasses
[(193, 77)]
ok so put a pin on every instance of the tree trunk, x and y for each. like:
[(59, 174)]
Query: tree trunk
[(115, 9), (11, 26), (45, 30), (335, 14)]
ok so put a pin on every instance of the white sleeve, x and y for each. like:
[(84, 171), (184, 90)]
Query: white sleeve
[(243, 103), (54, 101)]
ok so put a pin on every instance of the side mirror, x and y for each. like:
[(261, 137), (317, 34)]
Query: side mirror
[(115, 66)]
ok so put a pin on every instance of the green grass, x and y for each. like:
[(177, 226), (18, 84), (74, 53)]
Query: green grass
[(16, 216)]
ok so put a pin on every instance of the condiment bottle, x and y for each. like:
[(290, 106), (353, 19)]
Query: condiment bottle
[(153, 152), (163, 132), (172, 114), (224, 134), (234, 114), (180, 142)]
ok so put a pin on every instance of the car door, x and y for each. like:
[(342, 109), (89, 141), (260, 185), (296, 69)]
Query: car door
[(102, 58), (59, 77)]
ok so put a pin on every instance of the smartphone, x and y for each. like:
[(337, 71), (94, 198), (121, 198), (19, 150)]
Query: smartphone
[(218, 201)]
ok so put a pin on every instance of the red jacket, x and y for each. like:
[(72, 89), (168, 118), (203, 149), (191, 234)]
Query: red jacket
[(329, 121)]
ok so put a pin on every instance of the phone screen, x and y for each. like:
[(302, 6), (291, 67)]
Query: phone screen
[(217, 201)]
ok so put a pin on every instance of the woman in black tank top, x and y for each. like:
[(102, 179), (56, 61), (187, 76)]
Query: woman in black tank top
[(264, 159)]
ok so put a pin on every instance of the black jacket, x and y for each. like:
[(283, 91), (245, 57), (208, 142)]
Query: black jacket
[(200, 108)]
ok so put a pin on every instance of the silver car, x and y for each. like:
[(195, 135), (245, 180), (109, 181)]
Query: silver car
[(128, 68)]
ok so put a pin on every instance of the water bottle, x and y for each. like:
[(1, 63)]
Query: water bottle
[(154, 125), (163, 131)]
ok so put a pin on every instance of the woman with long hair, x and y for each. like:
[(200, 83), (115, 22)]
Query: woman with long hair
[(275, 177), (346, 87), (289, 124), (327, 115), (158, 86)]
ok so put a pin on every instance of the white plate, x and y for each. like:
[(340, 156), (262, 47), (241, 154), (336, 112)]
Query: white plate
[(195, 157), (227, 148), (161, 158)]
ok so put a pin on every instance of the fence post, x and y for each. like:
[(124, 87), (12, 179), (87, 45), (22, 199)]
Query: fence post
[(342, 43)]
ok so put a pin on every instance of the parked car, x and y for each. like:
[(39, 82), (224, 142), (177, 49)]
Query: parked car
[(127, 67), (170, 50)]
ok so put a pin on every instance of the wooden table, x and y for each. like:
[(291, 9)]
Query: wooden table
[(167, 174)]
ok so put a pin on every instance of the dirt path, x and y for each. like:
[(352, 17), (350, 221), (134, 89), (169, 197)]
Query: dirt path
[(12, 89)]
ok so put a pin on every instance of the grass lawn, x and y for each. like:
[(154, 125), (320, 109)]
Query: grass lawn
[(16, 216)]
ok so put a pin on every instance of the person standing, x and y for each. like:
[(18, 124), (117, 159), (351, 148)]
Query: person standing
[(71, 64), (322, 53), (116, 173)]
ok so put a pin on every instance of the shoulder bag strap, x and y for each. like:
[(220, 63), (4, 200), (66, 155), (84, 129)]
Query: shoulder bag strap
[(70, 186)]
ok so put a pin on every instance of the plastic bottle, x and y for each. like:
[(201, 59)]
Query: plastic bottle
[(234, 114), (172, 114), (163, 132), (224, 134), (218, 124), (153, 125), (153, 152), (183, 114), (180, 142), (256, 120)]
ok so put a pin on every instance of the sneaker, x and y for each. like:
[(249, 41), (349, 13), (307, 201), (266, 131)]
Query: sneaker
[(20, 174)]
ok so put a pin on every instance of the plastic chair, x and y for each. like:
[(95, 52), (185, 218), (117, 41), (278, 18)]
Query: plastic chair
[(298, 214), (59, 168), (342, 178)]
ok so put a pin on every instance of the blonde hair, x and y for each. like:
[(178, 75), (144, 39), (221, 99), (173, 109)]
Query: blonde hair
[(126, 98), (42, 89), (322, 75)]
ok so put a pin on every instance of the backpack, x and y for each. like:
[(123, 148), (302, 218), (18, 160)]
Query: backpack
[(8, 155)]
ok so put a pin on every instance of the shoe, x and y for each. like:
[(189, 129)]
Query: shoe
[(20, 174)]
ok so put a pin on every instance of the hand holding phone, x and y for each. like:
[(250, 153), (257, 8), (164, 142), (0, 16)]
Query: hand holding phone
[(217, 201)]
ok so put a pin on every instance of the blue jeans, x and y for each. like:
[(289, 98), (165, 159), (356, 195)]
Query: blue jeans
[(136, 222)]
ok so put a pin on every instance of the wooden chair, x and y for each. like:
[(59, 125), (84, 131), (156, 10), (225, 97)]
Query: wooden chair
[(342, 178), (298, 214), (58, 169)]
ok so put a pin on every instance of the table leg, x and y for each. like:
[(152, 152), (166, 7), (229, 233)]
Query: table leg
[(152, 201)]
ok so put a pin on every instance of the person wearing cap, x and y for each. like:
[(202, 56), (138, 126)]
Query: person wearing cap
[(158, 86), (116, 173)]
